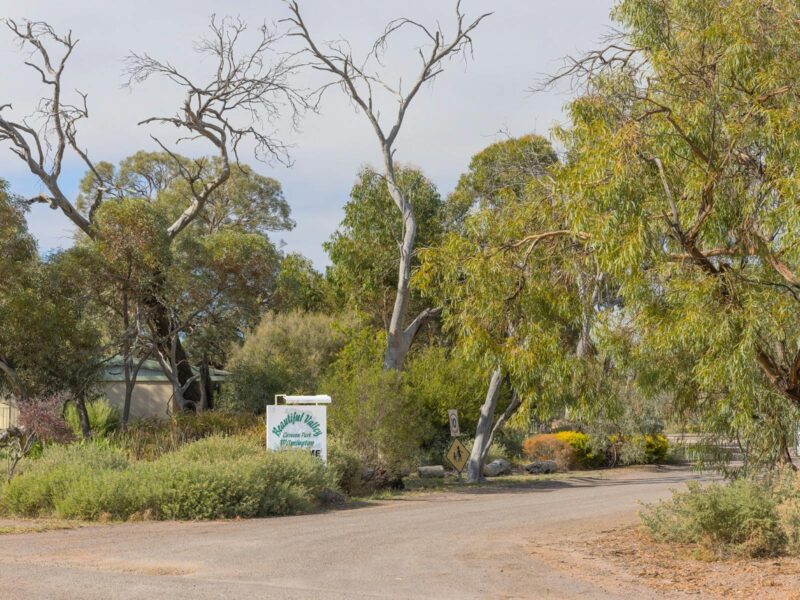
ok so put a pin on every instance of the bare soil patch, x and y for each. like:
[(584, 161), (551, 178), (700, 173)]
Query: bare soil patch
[(628, 555)]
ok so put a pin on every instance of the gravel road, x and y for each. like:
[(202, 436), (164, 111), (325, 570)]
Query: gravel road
[(473, 543)]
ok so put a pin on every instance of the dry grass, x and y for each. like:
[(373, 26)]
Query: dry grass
[(14, 526), (675, 568)]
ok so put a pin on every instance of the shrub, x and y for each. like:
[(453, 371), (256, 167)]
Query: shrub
[(789, 511), (346, 466), (103, 418), (45, 418), (737, 519), (40, 482), (438, 380), (643, 449), (584, 453), (149, 439), (548, 446), (372, 411), (209, 479), (286, 353)]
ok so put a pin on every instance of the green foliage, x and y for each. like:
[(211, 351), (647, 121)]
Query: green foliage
[(685, 187), (346, 466), (438, 379), (286, 354), (739, 519), (213, 280), (48, 342), (39, 483), (364, 250), (103, 418), (370, 411), (501, 173), (133, 235), (209, 479), (644, 449), (299, 286), (584, 453), (149, 440)]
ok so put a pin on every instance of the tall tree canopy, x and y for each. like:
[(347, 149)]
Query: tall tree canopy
[(683, 174), (514, 303), (364, 250), (242, 92), (219, 275), (498, 174), (48, 339)]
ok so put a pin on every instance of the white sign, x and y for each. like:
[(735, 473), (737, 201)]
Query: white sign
[(298, 427), (452, 417)]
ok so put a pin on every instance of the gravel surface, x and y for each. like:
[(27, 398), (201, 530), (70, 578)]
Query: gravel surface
[(473, 543)]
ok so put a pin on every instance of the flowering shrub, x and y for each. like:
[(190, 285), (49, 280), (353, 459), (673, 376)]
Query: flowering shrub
[(549, 446), (584, 453)]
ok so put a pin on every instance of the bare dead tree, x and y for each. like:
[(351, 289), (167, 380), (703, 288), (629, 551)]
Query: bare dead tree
[(42, 139), (242, 98), (358, 80)]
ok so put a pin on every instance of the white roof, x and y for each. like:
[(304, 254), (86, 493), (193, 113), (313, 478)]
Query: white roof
[(318, 399)]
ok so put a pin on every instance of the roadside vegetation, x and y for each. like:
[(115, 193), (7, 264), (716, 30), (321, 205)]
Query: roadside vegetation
[(747, 517), (575, 297)]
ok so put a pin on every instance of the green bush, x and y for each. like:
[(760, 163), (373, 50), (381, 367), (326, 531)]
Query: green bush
[(438, 380), (584, 453), (346, 466), (103, 418), (149, 439), (209, 479), (372, 411), (287, 353), (642, 449), (41, 482), (739, 519)]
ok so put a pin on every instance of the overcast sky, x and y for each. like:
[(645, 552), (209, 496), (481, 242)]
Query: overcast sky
[(464, 110)]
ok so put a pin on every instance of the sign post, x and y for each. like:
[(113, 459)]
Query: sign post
[(300, 423), (457, 453), (452, 417)]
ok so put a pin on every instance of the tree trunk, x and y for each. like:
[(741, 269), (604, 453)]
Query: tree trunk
[(126, 407), (512, 407), (205, 386), (166, 337), (83, 416), (483, 430), (399, 338)]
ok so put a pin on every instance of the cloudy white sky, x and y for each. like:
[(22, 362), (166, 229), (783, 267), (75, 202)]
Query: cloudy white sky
[(461, 112)]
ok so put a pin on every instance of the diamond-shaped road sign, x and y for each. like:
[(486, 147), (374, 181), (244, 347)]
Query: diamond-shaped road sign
[(458, 455)]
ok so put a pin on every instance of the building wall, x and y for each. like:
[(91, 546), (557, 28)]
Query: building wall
[(9, 414), (150, 400)]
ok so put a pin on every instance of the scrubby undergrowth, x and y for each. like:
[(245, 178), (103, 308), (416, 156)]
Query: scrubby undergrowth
[(214, 478), (746, 517)]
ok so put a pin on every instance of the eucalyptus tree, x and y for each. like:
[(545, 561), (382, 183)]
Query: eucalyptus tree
[(49, 340), (512, 301), (365, 247), (683, 177), (242, 94), (498, 174), (359, 79)]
